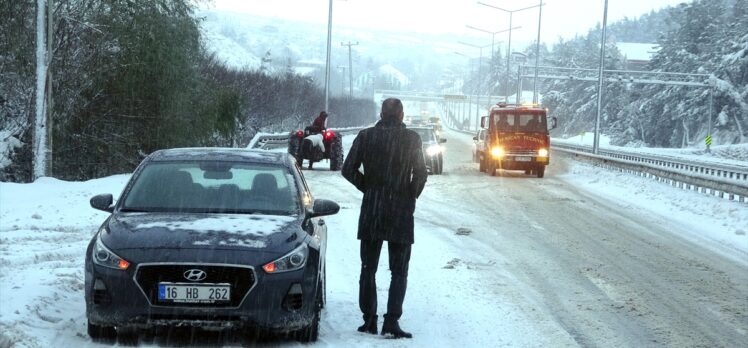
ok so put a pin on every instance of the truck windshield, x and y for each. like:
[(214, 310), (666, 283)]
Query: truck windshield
[(526, 122)]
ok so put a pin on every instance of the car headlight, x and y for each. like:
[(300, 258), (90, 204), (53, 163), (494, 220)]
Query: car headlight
[(497, 152), (433, 150), (292, 261), (102, 256), (543, 153)]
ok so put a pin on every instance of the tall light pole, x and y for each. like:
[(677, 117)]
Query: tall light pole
[(480, 76), (327, 60), (470, 72), (493, 39), (509, 47), (537, 56), (40, 120), (596, 142), (350, 67)]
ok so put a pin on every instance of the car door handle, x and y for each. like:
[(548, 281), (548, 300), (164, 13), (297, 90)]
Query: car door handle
[(321, 222)]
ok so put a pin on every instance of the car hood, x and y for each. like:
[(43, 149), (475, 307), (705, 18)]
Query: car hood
[(199, 231)]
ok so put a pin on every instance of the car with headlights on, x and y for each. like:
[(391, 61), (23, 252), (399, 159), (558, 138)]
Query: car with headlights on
[(210, 238), (432, 149)]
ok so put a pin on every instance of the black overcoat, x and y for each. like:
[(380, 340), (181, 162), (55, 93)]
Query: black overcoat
[(394, 175)]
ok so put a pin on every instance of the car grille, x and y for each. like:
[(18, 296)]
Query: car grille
[(522, 152), (241, 279)]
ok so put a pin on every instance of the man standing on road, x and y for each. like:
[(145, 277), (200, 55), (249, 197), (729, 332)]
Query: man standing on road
[(394, 176)]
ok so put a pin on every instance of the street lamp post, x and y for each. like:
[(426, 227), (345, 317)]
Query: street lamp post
[(509, 48), (463, 112), (537, 56), (327, 59), (596, 142), (493, 39), (480, 77)]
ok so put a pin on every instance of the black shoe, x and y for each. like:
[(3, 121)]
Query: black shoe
[(393, 328), (370, 325)]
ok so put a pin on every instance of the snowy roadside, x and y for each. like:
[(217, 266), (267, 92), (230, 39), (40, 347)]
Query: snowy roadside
[(45, 227), (712, 222)]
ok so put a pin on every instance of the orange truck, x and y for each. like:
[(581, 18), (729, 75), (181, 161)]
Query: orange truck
[(516, 139)]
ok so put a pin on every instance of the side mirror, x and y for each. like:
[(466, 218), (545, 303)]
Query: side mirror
[(324, 207), (442, 140), (554, 123), (102, 202), (483, 121), (475, 138)]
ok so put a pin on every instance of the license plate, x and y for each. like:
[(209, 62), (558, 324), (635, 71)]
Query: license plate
[(523, 158), (194, 293)]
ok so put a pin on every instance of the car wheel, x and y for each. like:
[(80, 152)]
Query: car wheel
[(482, 163), (440, 165), (127, 337), (492, 167), (294, 148), (311, 332), (100, 333), (540, 171), (336, 153), (528, 171)]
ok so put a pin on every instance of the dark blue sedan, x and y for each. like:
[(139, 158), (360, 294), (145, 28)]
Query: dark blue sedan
[(208, 237)]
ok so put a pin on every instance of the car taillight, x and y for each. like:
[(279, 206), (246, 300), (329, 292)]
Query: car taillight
[(300, 133), (329, 134)]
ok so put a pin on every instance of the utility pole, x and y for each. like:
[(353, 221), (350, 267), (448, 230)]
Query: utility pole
[(596, 143), (350, 67), (342, 80), (40, 122), (327, 60)]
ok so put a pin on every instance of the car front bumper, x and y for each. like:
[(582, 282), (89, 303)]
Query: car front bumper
[(279, 302)]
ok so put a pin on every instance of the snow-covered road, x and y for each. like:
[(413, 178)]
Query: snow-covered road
[(583, 257)]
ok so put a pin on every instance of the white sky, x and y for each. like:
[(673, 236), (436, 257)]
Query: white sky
[(560, 17)]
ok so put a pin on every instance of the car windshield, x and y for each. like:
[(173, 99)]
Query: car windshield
[(427, 135), (213, 187), (527, 122)]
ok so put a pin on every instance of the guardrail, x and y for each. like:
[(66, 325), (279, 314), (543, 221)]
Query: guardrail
[(267, 141), (722, 180), (718, 170)]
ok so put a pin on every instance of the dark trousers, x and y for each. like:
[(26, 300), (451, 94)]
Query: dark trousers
[(367, 293)]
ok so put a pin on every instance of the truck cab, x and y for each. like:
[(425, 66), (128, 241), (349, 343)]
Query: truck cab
[(516, 139)]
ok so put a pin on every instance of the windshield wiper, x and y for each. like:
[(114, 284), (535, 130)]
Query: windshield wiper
[(133, 210)]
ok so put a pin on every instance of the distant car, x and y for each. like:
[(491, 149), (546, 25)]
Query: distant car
[(209, 237), (479, 144), (432, 150)]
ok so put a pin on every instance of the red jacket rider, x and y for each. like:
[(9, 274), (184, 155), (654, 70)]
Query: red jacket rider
[(320, 123)]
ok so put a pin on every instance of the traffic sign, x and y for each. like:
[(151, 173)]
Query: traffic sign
[(708, 140)]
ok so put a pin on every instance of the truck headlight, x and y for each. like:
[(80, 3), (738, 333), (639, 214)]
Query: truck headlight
[(102, 256), (433, 150), (292, 261), (497, 152), (542, 153)]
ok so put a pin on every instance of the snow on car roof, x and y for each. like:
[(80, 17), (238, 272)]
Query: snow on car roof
[(219, 154)]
